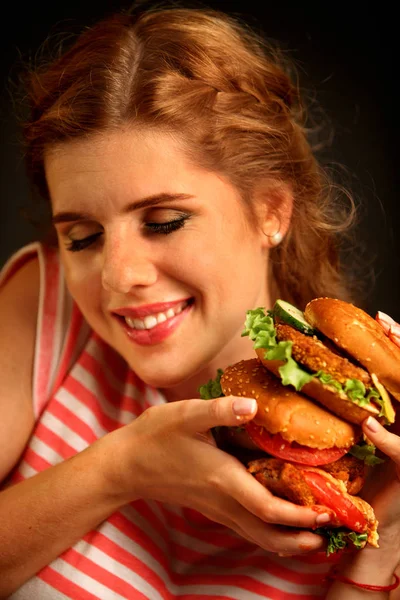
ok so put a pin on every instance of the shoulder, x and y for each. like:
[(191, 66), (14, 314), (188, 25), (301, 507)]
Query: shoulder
[(19, 301)]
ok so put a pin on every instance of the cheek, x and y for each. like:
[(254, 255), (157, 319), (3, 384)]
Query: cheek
[(83, 281), (224, 265)]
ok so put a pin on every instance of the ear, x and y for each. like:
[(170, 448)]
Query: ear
[(274, 208)]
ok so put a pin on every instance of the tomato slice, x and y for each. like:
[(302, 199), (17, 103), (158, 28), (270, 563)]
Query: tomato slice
[(275, 445), (329, 495)]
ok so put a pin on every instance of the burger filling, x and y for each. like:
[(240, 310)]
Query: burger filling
[(307, 487), (306, 357)]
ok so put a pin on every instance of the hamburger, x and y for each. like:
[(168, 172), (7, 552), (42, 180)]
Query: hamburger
[(316, 376), (334, 352)]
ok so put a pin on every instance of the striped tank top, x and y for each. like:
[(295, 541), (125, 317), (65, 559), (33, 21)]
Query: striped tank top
[(82, 389)]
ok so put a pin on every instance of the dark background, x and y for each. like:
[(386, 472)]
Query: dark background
[(346, 56)]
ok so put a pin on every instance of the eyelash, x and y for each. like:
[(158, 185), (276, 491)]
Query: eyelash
[(152, 228)]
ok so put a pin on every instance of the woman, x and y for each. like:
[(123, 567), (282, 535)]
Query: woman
[(172, 150)]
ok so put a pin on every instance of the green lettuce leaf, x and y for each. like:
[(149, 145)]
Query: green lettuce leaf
[(353, 388), (212, 389), (292, 374), (327, 379), (340, 538), (366, 452), (259, 326)]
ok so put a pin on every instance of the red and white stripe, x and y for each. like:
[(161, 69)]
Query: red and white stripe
[(82, 390)]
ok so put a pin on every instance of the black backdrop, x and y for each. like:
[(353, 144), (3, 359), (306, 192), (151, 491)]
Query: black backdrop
[(347, 59)]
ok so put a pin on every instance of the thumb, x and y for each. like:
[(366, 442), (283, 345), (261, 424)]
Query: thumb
[(227, 410), (387, 442)]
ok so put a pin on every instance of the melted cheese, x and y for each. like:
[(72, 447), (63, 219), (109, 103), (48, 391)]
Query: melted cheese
[(387, 408)]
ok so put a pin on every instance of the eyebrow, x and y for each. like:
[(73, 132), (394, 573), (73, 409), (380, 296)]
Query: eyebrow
[(149, 201)]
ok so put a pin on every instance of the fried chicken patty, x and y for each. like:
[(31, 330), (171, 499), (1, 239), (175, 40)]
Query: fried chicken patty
[(349, 469), (313, 354), (282, 479), (285, 480)]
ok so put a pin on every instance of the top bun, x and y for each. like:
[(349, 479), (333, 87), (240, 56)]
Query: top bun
[(360, 336), (281, 410)]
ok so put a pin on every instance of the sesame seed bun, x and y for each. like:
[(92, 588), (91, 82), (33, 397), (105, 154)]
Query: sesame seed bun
[(282, 410), (360, 336)]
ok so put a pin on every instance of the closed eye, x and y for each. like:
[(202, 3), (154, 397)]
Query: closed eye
[(168, 226), (77, 245), (152, 228)]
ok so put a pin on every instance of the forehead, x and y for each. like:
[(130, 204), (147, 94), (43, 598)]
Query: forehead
[(115, 153), (126, 166)]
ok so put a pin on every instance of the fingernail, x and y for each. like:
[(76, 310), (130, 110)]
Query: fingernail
[(244, 406), (324, 518), (372, 424)]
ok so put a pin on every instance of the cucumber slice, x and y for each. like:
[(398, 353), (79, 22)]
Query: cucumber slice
[(283, 311)]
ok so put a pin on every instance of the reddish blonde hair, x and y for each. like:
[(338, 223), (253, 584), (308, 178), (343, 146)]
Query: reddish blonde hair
[(205, 76)]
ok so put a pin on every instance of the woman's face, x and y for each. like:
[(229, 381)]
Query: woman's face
[(158, 254)]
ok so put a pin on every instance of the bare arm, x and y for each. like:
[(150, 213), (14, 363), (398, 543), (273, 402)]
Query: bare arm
[(18, 314), (371, 566), (46, 514), (40, 517)]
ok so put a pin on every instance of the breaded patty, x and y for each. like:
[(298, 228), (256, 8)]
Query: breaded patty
[(286, 480), (282, 479), (310, 352), (349, 469)]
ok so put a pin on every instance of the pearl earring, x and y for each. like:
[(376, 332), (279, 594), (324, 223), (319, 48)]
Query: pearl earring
[(276, 238)]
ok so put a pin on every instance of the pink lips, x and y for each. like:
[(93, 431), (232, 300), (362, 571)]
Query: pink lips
[(156, 335)]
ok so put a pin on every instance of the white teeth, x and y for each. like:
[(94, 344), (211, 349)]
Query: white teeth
[(134, 323), (137, 324), (152, 320)]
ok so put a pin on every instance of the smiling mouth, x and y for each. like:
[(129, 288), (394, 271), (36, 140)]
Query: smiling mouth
[(151, 321)]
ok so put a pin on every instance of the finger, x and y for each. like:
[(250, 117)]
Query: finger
[(278, 539), (385, 321), (277, 510), (387, 442), (273, 539), (394, 334), (259, 501), (202, 415), (270, 537)]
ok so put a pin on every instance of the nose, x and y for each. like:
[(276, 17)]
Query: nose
[(126, 265)]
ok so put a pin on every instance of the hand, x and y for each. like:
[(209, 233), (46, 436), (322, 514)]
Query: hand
[(168, 454)]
